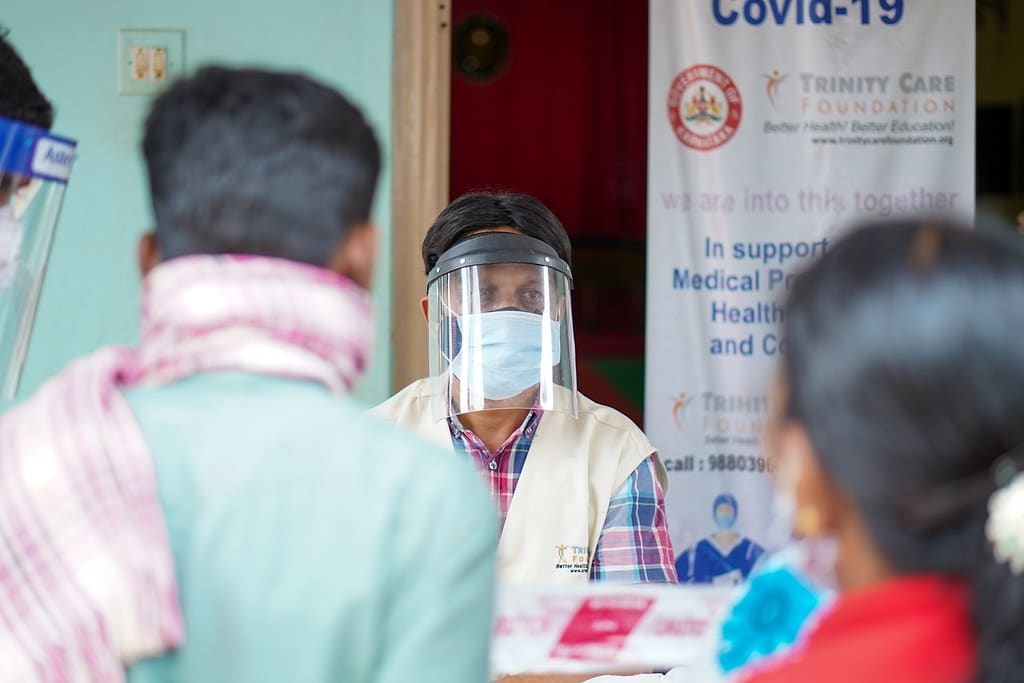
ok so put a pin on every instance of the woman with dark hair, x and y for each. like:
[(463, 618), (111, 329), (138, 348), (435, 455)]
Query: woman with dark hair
[(899, 436)]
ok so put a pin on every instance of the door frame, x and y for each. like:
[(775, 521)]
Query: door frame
[(420, 135)]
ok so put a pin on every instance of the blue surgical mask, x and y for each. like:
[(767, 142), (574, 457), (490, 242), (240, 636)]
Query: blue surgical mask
[(506, 349), (725, 521)]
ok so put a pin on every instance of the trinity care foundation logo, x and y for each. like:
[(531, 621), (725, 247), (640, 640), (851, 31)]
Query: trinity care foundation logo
[(679, 404), (573, 558), (704, 107), (773, 81)]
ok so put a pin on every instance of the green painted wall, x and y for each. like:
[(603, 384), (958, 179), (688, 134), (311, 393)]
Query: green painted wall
[(90, 297)]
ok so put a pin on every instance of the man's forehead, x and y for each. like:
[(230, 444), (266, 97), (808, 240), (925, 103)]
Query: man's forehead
[(510, 271)]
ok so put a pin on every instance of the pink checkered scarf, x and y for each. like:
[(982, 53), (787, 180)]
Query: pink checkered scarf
[(86, 574)]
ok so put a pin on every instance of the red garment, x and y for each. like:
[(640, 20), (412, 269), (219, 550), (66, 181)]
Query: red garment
[(914, 629)]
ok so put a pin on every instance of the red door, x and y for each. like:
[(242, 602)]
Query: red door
[(550, 98)]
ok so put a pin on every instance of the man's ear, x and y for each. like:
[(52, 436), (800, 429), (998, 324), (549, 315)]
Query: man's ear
[(148, 253), (426, 309), (356, 256)]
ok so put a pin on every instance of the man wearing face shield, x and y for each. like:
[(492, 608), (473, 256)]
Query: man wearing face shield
[(34, 168), (580, 489)]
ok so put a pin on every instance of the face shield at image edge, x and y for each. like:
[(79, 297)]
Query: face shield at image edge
[(500, 327), (34, 170)]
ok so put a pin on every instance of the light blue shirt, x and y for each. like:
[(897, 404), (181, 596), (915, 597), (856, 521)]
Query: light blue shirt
[(313, 543)]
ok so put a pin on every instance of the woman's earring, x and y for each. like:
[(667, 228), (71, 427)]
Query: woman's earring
[(808, 522)]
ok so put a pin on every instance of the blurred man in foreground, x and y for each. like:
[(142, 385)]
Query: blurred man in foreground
[(210, 505)]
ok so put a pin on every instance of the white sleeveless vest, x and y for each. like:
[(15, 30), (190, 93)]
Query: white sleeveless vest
[(574, 467)]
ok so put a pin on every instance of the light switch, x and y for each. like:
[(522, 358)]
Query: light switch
[(148, 59)]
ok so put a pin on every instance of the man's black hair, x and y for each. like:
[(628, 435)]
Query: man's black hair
[(248, 161), (477, 211), (20, 97)]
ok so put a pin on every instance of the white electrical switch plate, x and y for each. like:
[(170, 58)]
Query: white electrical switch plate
[(148, 59)]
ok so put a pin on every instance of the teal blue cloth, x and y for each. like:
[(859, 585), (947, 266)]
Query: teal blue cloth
[(313, 543)]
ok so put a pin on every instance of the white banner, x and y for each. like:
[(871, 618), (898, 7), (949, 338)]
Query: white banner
[(773, 124)]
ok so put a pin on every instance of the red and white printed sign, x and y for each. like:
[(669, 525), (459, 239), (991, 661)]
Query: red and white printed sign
[(600, 628)]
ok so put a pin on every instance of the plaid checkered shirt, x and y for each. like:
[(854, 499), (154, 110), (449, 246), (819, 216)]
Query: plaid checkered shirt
[(634, 546)]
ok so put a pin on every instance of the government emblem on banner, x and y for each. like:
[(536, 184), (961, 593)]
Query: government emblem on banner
[(704, 107)]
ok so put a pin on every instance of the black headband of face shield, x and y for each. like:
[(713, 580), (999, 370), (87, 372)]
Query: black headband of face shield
[(498, 247)]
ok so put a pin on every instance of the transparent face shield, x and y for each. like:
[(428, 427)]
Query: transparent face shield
[(500, 320), (34, 169)]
